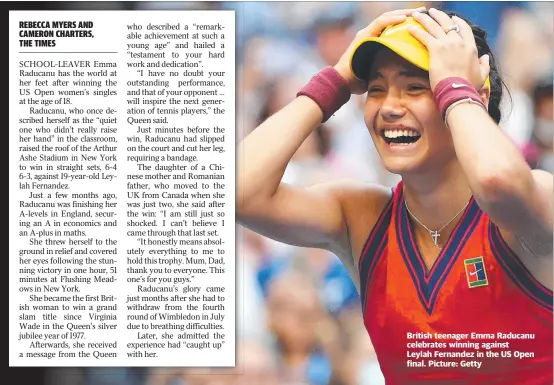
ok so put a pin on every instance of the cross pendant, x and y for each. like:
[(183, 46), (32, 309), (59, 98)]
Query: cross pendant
[(435, 235)]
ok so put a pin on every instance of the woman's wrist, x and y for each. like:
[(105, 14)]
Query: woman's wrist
[(454, 90), (456, 107), (329, 90)]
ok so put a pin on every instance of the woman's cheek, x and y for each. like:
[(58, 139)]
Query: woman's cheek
[(370, 113), (427, 114)]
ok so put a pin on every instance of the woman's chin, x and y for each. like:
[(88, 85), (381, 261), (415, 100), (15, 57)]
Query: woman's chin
[(402, 158), (420, 162), (401, 166)]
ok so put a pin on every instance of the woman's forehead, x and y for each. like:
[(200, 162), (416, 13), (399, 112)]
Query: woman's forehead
[(388, 61)]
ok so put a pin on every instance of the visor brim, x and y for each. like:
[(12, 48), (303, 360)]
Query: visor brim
[(364, 55)]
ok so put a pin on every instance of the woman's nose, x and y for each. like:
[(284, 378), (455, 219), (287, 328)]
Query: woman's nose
[(393, 106)]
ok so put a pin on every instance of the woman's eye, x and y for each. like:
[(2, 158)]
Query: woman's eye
[(416, 87), (375, 89)]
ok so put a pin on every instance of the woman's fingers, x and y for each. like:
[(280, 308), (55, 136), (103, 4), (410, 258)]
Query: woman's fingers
[(387, 19), (423, 36), (406, 12), (375, 28), (465, 31), (443, 20), (429, 24)]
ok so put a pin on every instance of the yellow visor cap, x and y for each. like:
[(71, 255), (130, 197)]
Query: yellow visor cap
[(399, 40)]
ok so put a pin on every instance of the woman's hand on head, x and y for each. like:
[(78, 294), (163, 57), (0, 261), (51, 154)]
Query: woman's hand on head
[(374, 29), (451, 53)]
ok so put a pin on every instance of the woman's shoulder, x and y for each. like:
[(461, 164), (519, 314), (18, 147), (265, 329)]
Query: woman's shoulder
[(362, 204), (356, 195)]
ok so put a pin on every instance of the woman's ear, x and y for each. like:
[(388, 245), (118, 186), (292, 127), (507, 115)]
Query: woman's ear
[(485, 94), (485, 91)]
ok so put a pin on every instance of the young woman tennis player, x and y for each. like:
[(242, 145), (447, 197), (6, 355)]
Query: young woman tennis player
[(454, 265)]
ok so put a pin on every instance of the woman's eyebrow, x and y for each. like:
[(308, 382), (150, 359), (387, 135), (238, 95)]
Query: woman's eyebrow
[(404, 72), (414, 73), (374, 75)]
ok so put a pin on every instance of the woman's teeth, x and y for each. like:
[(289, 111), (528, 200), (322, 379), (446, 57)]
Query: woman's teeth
[(397, 133)]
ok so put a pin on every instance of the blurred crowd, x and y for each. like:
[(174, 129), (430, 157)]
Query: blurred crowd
[(299, 318)]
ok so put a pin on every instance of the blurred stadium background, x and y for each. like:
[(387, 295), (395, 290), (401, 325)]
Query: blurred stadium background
[(299, 319)]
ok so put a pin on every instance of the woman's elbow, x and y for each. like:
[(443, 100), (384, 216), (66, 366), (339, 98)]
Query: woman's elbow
[(499, 185)]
